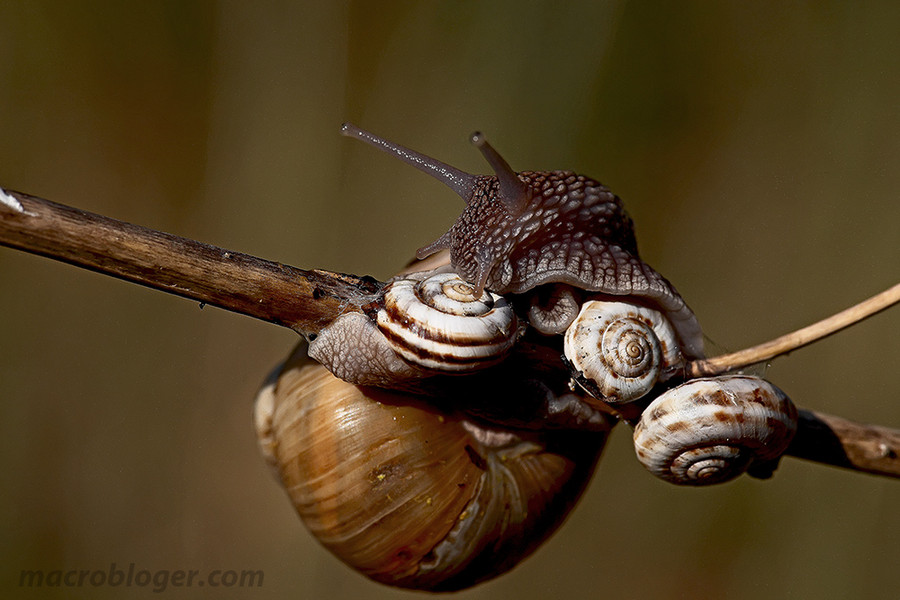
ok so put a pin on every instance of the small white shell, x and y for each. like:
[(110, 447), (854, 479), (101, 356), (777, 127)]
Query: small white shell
[(621, 350), (710, 430), (437, 323)]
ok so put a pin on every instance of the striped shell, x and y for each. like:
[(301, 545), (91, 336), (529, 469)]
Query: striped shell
[(711, 430), (619, 351), (437, 323)]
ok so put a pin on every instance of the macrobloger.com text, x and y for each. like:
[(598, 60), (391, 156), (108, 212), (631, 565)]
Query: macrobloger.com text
[(158, 580)]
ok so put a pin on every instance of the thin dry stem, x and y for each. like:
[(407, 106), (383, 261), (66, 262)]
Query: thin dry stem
[(796, 339)]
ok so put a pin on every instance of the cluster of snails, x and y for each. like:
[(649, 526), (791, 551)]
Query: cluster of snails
[(419, 438)]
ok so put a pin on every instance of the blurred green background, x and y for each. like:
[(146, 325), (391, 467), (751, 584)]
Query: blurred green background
[(756, 145)]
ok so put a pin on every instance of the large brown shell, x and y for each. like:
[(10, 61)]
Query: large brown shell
[(406, 494)]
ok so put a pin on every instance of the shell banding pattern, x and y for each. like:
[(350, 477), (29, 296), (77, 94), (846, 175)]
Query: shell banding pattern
[(620, 350), (710, 430), (437, 323)]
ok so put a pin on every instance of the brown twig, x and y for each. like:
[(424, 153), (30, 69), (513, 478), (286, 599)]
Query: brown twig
[(306, 301), (841, 443), (796, 339)]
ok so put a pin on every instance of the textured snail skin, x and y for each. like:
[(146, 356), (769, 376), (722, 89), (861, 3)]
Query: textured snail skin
[(553, 307), (522, 230), (410, 496), (711, 430), (568, 228), (353, 349)]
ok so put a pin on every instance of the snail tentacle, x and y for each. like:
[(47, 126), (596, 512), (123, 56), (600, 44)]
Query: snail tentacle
[(531, 228)]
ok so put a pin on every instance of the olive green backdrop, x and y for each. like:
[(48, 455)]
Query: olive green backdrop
[(756, 145)]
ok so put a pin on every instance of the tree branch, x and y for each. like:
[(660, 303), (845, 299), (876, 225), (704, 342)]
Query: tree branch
[(841, 443), (306, 301)]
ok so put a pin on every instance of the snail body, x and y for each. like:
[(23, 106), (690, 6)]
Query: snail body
[(551, 236), (523, 230), (711, 430), (409, 495)]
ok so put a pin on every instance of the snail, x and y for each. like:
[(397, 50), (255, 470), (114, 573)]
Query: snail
[(407, 494), (419, 324), (552, 236), (619, 351), (520, 231), (711, 430)]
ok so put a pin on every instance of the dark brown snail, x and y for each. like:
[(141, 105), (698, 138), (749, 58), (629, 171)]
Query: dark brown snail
[(554, 235), (524, 230)]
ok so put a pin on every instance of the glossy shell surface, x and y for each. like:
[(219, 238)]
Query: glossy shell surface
[(710, 430), (408, 495)]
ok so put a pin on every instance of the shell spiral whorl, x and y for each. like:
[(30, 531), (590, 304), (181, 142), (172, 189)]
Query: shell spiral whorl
[(620, 349), (710, 430), (437, 323), (629, 348)]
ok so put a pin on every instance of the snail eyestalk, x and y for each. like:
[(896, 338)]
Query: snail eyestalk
[(457, 180), (513, 192)]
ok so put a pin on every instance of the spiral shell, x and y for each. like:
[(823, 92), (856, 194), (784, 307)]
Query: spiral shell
[(410, 496), (619, 351), (438, 323), (711, 430)]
